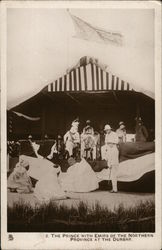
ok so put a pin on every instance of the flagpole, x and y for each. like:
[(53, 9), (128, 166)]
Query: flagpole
[(68, 42)]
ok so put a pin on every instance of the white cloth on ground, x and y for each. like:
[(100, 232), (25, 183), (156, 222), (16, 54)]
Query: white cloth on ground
[(49, 187), (80, 177), (130, 170), (38, 167)]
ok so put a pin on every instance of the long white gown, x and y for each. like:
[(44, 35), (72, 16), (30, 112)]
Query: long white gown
[(79, 178)]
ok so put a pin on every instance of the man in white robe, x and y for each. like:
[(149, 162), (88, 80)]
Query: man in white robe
[(72, 138)]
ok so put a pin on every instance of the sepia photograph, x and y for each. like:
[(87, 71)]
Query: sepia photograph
[(81, 121)]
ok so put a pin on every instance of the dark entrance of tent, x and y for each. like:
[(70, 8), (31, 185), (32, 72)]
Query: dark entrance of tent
[(100, 107), (58, 110)]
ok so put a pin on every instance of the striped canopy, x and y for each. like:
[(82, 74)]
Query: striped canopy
[(89, 77)]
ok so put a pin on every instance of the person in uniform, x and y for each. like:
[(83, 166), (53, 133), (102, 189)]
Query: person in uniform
[(121, 132), (141, 131), (110, 153)]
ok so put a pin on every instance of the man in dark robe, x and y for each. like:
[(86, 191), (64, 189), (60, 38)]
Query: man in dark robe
[(141, 131)]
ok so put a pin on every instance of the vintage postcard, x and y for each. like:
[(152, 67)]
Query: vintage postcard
[(81, 125)]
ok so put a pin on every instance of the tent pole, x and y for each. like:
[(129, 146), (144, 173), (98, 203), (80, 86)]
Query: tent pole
[(137, 110), (73, 98), (115, 96), (43, 122)]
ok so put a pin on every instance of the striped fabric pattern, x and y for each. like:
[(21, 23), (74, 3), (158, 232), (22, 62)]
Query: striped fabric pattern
[(88, 78)]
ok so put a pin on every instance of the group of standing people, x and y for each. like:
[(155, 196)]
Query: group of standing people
[(88, 140)]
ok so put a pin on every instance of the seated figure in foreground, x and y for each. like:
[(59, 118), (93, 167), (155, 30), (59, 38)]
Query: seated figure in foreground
[(19, 181)]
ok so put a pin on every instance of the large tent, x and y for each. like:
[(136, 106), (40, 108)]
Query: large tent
[(86, 91)]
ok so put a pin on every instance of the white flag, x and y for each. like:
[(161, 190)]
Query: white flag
[(88, 32), (27, 117)]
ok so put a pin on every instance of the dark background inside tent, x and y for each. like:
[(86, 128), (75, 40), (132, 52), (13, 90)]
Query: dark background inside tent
[(58, 109)]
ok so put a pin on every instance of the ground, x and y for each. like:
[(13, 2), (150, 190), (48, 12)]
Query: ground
[(105, 198)]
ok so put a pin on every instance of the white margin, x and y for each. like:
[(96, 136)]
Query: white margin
[(37, 240)]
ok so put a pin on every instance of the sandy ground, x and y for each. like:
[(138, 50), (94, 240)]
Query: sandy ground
[(105, 198)]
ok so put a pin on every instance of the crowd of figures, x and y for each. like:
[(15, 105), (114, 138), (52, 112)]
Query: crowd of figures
[(76, 149), (89, 144)]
